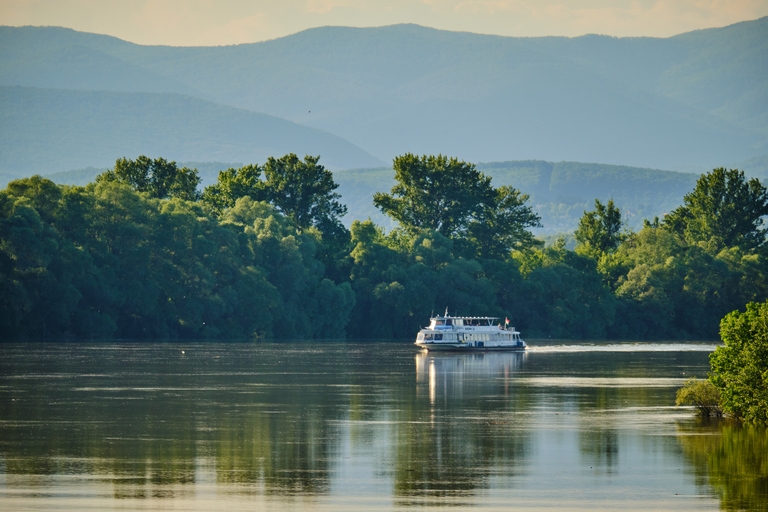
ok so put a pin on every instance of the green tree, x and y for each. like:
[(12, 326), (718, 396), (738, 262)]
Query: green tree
[(702, 394), (600, 230), (233, 184), (44, 195), (435, 192), (304, 192), (740, 368), (501, 226), (564, 295), (454, 199), (310, 304), (160, 178), (724, 210)]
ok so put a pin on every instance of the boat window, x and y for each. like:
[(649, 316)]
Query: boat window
[(458, 322), (438, 336), (420, 337), (448, 321)]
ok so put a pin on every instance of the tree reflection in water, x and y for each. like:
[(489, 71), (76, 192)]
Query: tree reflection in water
[(321, 424), (730, 460)]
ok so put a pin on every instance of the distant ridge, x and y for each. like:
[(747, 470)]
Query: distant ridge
[(50, 130), (695, 100)]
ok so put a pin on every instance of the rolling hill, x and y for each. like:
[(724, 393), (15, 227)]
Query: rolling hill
[(50, 130), (696, 100)]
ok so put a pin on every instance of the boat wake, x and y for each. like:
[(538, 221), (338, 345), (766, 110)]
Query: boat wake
[(624, 347)]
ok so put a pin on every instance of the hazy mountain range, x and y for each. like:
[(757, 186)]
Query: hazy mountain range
[(690, 102)]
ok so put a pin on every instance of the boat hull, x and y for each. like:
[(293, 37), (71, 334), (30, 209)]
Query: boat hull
[(466, 347)]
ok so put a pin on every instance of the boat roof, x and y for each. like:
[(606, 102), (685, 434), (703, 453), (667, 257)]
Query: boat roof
[(467, 317)]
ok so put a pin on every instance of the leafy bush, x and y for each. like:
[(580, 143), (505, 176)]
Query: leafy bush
[(703, 395), (740, 368)]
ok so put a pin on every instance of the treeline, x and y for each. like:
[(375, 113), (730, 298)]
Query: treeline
[(142, 253)]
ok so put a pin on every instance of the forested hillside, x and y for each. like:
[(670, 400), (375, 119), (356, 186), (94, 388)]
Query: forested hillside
[(261, 253), (685, 103)]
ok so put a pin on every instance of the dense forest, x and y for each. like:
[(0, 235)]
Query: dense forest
[(142, 252)]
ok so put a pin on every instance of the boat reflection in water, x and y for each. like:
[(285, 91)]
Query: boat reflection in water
[(343, 426), (451, 374)]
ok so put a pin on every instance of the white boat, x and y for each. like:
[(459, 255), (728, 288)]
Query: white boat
[(469, 333)]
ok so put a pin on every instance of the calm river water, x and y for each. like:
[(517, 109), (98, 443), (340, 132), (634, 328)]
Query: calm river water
[(365, 426)]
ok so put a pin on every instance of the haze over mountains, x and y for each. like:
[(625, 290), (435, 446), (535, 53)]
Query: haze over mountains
[(48, 130), (360, 96)]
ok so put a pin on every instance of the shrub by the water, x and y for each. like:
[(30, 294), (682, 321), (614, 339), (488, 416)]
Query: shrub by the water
[(703, 395)]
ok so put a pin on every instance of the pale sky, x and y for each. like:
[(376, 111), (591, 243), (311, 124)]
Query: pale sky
[(222, 22)]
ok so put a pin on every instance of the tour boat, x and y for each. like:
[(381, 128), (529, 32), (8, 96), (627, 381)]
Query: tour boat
[(469, 333)]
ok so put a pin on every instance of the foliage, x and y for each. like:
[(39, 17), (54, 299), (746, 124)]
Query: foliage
[(600, 230), (501, 226), (740, 368), (304, 192), (160, 178), (106, 261), (435, 192), (457, 201), (232, 184), (562, 295), (724, 210), (702, 394), (561, 191), (301, 190)]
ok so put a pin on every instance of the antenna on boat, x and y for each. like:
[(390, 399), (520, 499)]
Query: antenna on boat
[(446, 312)]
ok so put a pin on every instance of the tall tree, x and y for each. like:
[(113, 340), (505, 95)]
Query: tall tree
[(600, 229), (500, 227), (435, 192), (724, 210), (303, 190), (233, 184), (453, 198), (161, 178)]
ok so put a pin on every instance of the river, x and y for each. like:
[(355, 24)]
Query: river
[(337, 426)]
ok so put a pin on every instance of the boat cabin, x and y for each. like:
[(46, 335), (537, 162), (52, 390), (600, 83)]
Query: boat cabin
[(462, 332), (469, 321)]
